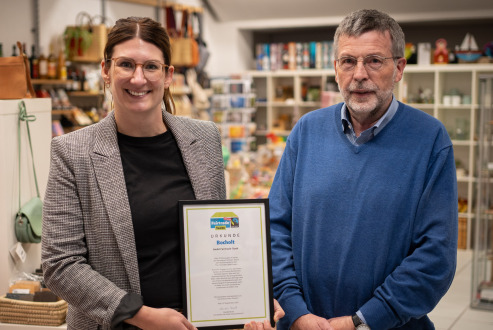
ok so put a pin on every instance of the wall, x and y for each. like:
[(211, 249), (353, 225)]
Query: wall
[(9, 202)]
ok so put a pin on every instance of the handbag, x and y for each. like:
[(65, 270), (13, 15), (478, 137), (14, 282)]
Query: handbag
[(185, 50), (86, 41), (15, 77), (28, 220)]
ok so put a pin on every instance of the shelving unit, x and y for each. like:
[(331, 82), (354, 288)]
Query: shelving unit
[(78, 99), (278, 111), (482, 277), (233, 111)]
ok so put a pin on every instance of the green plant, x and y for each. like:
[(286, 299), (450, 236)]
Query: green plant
[(78, 38)]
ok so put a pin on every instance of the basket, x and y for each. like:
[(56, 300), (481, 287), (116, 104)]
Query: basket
[(32, 313), (95, 52), (462, 239)]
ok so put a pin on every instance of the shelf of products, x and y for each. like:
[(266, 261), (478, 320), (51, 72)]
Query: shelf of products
[(233, 111), (447, 92), (482, 279), (75, 102)]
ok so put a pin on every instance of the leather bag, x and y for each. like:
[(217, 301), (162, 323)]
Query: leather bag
[(184, 48), (28, 220), (15, 77)]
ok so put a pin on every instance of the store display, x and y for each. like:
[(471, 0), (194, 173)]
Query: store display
[(28, 221), (52, 64), (424, 53), (43, 66), (468, 51), (294, 55), (15, 80), (233, 110), (441, 54), (34, 63), (85, 40), (32, 313), (185, 47), (28, 301)]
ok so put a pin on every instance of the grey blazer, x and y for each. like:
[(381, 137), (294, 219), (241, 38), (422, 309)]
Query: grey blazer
[(88, 247)]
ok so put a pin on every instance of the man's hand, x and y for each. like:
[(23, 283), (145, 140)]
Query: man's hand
[(310, 321), (342, 323), (278, 314), (148, 318)]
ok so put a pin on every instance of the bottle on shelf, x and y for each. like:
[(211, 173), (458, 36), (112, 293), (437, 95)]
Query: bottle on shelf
[(14, 50), (62, 65), (83, 82), (68, 84), (43, 66), (52, 64), (1, 50), (34, 63), (75, 80)]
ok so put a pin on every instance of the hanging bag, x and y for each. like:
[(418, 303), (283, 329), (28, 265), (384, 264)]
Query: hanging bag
[(28, 220), (15, 77), (185, 50)]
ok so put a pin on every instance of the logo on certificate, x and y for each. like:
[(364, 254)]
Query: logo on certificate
[(224, 220)]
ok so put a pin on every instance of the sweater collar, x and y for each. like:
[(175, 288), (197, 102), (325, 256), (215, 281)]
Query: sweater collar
[(371, 132)]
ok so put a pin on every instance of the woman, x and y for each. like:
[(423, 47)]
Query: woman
[(110, 243)]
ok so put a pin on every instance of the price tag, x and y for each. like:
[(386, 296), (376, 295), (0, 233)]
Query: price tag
[(18, 253)]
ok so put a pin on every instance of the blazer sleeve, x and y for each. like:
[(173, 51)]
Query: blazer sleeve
[(67, 271)]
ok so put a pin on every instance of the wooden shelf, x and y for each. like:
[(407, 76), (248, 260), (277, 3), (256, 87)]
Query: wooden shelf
[(63, 111), (84, 93), (50, 81), (142, 2)]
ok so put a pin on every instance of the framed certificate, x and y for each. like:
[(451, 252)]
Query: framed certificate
[(227, 274)]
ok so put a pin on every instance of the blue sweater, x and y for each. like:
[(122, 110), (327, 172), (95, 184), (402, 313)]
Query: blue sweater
[(371, 227)]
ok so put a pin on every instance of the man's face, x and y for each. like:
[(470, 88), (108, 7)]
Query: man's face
[(367, 92)]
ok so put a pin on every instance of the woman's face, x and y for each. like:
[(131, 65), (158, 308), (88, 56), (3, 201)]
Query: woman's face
[(135, 93)]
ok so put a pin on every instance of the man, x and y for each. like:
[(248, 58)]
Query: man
[(364, 202)]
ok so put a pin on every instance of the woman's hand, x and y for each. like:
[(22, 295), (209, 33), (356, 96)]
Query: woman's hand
[(278, 314), (148, 318)]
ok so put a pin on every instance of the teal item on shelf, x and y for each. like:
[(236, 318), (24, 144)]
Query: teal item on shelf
[(226, 155)]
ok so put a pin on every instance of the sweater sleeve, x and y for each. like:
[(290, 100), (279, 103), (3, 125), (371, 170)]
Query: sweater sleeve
[(414, 288), (287, 290)]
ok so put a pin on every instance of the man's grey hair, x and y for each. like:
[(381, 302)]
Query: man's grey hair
[(365, 20)]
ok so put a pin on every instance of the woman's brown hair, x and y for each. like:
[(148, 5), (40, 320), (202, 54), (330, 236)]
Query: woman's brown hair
[(148, 30)]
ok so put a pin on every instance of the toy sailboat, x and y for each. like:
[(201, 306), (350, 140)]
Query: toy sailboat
[(469, 51)]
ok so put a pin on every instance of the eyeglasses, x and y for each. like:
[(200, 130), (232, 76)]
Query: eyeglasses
[(372, 62), (125, 68)]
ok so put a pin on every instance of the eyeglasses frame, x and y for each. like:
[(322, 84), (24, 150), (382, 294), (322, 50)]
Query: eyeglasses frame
[(363, 61), (141, 64)]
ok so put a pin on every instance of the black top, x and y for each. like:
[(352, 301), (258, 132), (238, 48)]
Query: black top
[(156, 178)]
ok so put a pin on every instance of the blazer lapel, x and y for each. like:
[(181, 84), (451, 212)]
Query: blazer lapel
[(193, 154), (109, 173)]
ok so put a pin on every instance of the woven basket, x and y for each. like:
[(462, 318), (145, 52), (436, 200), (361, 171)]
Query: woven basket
[(32, 313), (95, 52)]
